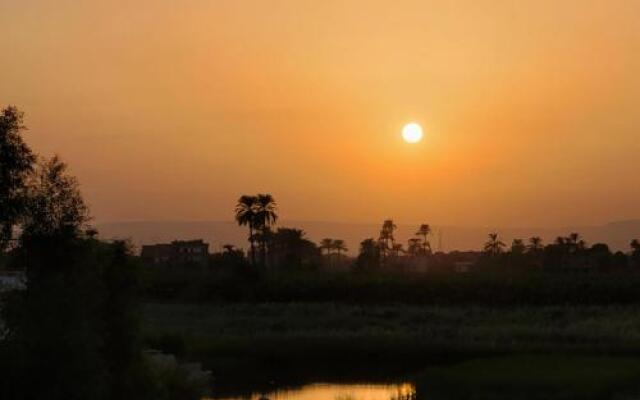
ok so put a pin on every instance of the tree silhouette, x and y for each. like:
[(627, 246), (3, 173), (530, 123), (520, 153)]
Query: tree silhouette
[(424, 231), (290, 248), (575, 242), (397, 249), (518, 247), (415, 247), (246, 216), (369, 257), (494, 246), (16, 164), (535, 245), (387, 240), (54, 203), (326, 244), (266, 216), (339, 246)]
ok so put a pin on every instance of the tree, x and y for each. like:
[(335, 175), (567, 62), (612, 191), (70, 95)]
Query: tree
[(424, 231), (494, 246), (415, 247), (73, 329), (535, 245), (327, 245), (265, 216), (16, 164), (387, 240), (246, 216), (566, 252), (397, 249), (230, 257), (72, 333), (518, 247), (575, 243), (369, 256), (339, 246), (601, 256), (56, 325), (289, 248), (54, 203)]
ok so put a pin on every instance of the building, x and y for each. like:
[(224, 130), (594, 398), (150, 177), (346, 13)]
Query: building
[(176, 252)]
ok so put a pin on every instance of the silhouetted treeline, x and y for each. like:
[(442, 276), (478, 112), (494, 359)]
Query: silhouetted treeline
[(73, 332), (289, 267)]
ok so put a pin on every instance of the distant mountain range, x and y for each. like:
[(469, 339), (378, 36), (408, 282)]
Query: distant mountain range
[(616, 234)]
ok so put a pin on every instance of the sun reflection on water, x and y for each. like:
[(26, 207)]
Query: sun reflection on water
[(322, 391)]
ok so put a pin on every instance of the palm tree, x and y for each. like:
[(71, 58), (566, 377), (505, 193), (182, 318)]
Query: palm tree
[(386, 240), (369, 257), (535, 244), (494, 245), (415, 247), (424, 231), (576, 243), (259, 214), (339, 246), (326, 244), (265, 216), (246, 216), (397, 249)]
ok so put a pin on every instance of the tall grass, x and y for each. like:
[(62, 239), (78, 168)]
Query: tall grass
[(334, 332)]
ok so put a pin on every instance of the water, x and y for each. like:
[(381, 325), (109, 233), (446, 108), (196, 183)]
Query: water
[(330, 391), (513, 377)]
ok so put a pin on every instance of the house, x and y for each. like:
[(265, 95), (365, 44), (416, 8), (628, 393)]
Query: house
[(176, 252)]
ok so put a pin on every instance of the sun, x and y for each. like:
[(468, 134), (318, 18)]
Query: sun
[(412, 133)]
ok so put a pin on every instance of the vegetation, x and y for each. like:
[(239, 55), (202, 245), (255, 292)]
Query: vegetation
[(232, 337), (258, 213), (16, 164), (478, 288), (73, 332)]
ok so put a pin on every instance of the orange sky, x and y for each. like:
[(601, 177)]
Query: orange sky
[(171, 109)]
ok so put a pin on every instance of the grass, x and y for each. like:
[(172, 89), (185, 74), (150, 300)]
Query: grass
[(542, 352), (388, 332)]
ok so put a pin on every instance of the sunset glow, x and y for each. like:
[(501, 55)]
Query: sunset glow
[(153, 104)]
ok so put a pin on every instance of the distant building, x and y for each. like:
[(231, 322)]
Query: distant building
[(176, 252)]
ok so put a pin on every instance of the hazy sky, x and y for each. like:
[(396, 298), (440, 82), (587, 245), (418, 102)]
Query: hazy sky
[(171, 109)]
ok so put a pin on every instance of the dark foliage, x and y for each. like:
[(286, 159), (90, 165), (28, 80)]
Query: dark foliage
[(16, 163)]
